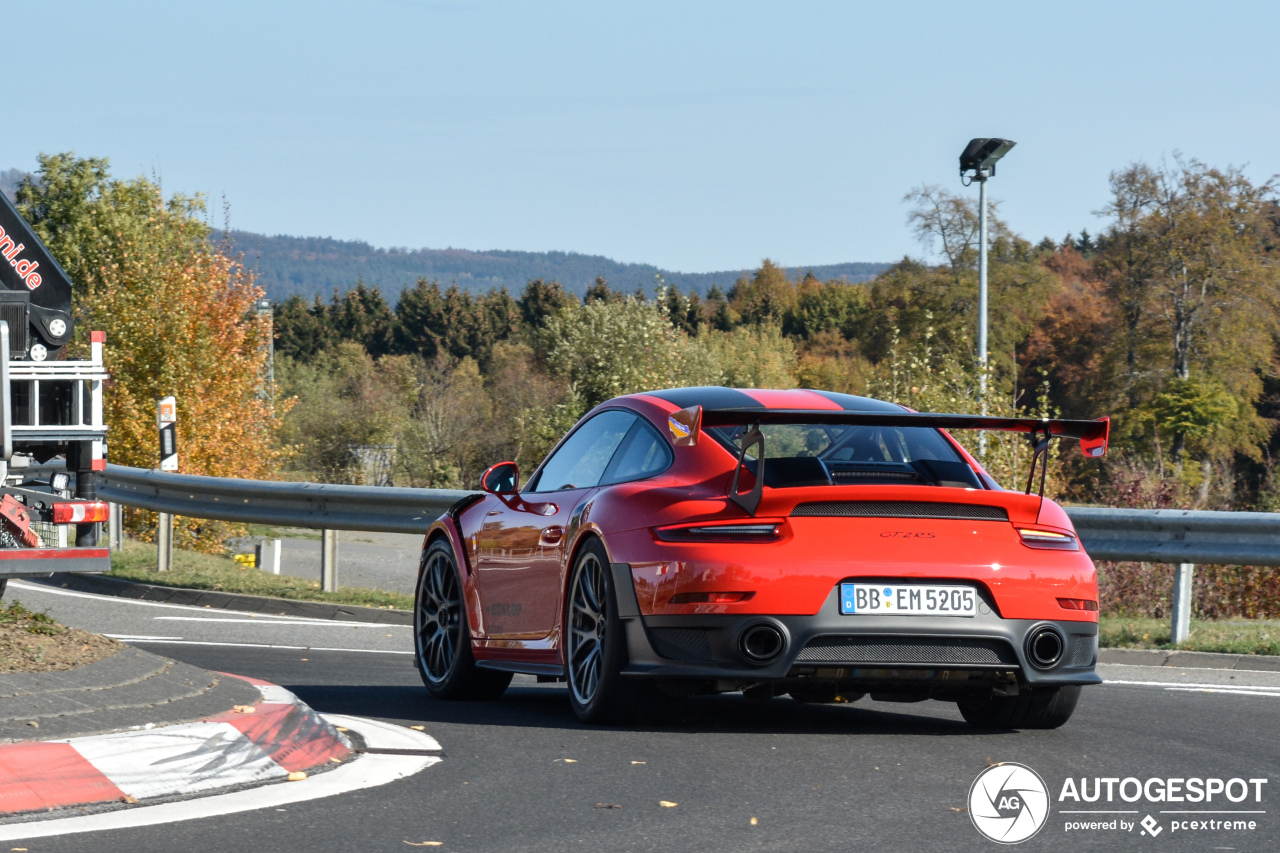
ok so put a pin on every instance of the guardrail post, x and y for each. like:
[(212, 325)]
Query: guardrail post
[(329, 561), (164, 542), (115, 527), (1182, 603)]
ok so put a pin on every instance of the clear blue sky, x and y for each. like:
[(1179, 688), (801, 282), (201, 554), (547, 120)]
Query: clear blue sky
[(693, 135)]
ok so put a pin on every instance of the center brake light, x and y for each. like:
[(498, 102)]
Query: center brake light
[(80, 512), (753, 531)]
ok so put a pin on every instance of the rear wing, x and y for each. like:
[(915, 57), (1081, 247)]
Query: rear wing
[(686, 425)]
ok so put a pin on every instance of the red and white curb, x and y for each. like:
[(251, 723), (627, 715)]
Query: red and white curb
[(405, 758), (256, 743)]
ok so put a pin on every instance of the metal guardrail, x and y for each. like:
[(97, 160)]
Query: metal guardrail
[(1153, 536), (320, 506), (1182, 537), (1179, 536)]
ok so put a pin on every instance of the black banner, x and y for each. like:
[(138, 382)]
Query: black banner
[(26, 265)]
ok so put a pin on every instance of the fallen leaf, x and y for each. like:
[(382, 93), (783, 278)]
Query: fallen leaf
[(127, 798), (667, 804), (754, 821), (424, 843), (245, 709), (33, 724), (418, 728), (302, 658), (297, 776), (637, 762), (18, 849), (335, 760), (609, 806), (568, 760), (954, 809)]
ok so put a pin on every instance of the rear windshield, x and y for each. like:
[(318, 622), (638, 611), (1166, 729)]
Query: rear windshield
[(843, 443)]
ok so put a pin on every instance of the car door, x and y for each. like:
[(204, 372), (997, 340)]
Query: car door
[(521, 545)]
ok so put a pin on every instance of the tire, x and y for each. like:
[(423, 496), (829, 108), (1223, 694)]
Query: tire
[(1032, 708), (595, 642), (442, 637)]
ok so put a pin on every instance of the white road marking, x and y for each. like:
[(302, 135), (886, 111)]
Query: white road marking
[(1184, 685), (1234, 690), (273, 646), (187, 607), (276, 620), (367, 771), (138, 637)]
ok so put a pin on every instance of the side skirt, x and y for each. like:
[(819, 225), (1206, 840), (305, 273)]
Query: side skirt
[(551, 669)]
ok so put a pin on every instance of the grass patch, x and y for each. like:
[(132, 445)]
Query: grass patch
[(192, 570), (266, 531), (33, 642), (1229, 636)]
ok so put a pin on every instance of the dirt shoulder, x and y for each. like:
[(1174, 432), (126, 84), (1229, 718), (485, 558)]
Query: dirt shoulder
[(33, 642)]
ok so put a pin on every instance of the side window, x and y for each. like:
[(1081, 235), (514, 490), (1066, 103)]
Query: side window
[(643, 454), (581, 460)]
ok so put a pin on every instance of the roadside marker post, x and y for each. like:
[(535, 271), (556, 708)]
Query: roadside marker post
[(267, 553), (115, 527), (167, 423)]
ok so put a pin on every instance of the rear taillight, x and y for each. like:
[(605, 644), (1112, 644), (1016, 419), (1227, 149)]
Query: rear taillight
[(711, 597), (764, 531), (80, 512), (1078, 604), (1048, 539)]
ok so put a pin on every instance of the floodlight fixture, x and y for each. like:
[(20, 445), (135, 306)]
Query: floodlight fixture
[(980, 156)]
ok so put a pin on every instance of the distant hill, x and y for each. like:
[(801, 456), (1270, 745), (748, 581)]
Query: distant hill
[(311, 266), (316, 265)]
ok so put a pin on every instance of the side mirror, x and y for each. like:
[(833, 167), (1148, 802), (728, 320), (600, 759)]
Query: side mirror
[(501, 479)]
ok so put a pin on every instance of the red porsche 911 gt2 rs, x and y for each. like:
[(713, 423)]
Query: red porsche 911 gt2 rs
[(703, 540)]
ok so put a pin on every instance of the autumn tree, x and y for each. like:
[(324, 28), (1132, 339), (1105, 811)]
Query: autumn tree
[(176, 308)]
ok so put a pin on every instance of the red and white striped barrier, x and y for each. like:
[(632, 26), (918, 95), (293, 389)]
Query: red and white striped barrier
[(256, 743)]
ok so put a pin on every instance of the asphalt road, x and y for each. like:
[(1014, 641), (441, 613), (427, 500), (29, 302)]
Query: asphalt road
[(521, 774)]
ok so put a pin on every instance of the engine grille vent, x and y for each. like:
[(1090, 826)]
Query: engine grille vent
[(902, 509), (898, 650), (681, 643), (15, 314), (1085, 652)]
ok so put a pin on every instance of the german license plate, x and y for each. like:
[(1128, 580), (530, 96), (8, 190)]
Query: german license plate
[(907, 600)]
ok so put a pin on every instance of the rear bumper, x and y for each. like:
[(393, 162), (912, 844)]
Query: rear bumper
[(832, 646), (42, 562)]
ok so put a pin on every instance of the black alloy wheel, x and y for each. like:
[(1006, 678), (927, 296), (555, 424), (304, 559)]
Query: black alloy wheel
[(442, 638), (595, 646)]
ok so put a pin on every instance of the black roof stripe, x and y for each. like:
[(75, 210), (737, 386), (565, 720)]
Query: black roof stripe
[(853, 403), (708, 397), (716, 397)]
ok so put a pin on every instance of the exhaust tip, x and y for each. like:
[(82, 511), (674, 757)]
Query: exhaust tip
[(1045, 646), (762, 643)]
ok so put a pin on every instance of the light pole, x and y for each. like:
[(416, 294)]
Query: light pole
[(265, 314), (979, 158)]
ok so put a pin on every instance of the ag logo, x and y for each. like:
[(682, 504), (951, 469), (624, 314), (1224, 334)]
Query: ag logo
[(1008, 803)]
